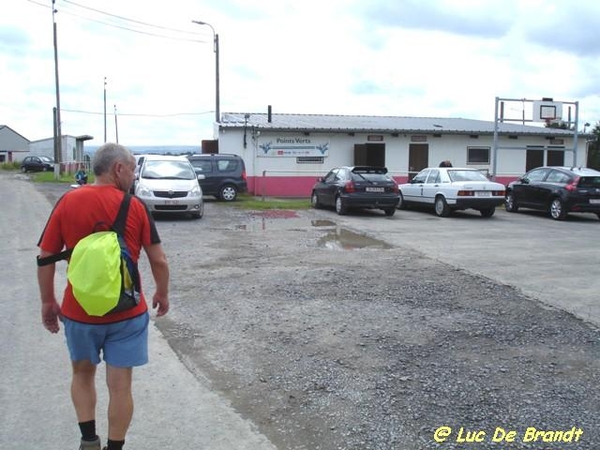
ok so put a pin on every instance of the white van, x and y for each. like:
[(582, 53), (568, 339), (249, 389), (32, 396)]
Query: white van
[(169, 184)]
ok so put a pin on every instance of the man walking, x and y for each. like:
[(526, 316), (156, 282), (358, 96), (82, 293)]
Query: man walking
[(120, 338)]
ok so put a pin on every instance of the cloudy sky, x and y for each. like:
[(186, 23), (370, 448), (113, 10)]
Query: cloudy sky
[(428, 58)]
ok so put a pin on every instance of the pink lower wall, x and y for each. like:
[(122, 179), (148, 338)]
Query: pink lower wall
[(301, 186)]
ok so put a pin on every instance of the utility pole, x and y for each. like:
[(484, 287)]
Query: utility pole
[(104, 109), (57, 128), (216, 50)]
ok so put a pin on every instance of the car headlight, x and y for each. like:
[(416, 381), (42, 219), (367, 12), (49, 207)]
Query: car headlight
[(143, 191), (196, 191)]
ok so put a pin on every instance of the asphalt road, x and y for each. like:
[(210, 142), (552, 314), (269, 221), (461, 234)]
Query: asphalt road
[(556, 262), (174, 408)]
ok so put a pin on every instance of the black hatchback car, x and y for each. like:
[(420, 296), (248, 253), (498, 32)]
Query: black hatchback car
[(37, 164), (558, 190), (224, 174), (365, 187)]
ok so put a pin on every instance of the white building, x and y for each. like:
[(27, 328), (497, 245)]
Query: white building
[(285, 153), (72, 151), (13, 146)]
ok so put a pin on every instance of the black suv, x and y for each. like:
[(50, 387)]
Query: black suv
[(224, 174), (558, 190)]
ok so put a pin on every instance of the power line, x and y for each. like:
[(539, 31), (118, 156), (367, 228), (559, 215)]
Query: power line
[(129, 20), (69, 11), (79, 111)]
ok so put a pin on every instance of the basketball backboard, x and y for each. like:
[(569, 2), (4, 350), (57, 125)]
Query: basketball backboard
[(546, 110)]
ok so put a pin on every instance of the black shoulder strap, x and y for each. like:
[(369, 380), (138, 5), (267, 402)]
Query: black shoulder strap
[(118, 227), (54, 258), (119, 224)]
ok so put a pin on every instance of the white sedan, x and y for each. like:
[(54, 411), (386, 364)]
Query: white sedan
[(447, 189)]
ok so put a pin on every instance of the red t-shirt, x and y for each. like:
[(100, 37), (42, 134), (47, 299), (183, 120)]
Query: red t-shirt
[(74, 217)]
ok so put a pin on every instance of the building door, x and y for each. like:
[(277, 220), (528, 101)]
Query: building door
[(369, 155), (534, 158), (418, 159)]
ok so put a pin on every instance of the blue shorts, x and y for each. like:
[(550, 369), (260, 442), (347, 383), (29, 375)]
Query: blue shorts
[(123, 344)]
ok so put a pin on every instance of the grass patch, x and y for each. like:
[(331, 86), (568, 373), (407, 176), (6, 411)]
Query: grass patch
[(15, 165), (48, 177), (246, 201)]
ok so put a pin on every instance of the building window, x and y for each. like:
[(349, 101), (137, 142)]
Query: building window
[(478, 155), (310, 160)]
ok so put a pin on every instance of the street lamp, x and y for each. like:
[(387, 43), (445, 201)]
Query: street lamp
[(216, 49)]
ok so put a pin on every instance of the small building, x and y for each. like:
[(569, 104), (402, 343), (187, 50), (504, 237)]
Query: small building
[(13, 146), (285, 153), (72, 150)]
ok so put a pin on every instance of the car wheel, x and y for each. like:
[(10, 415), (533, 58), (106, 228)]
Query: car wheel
[(389, 212), (401, 204), (23, 169), (441, 207), (489, 212), (228, 193), (340, 208), (314, 200), (557, 209), (510, 204)]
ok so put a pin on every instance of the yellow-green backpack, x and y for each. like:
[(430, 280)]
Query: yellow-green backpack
[(104, 277)]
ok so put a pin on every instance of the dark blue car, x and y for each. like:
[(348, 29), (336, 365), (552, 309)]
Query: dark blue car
[(346, 188), (557, 190)]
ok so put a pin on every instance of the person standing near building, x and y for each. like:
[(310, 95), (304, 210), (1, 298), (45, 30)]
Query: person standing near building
[(121, 338)]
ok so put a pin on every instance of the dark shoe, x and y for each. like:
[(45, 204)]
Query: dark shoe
[(90, 445)]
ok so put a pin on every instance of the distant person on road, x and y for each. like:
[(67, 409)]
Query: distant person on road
[(81, 176), (446, 163), (121, 337)]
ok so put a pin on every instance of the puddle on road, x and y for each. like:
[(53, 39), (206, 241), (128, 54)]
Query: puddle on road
[(336, 238), (276, 214), (323, 223), (343, 239)]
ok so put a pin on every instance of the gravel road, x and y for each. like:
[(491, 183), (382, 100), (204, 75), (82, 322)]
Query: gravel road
[(328, 339)]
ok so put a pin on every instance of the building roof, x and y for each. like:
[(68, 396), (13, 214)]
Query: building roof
[(380, 124), (9, 128)]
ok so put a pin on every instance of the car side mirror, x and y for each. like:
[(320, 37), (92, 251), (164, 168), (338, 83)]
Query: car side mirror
[(200, 176), (525, 180)]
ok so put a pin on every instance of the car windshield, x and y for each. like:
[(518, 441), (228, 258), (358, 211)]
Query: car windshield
[(372, 177), (466, 175), (46, 159), (589, 182), (168, 170)]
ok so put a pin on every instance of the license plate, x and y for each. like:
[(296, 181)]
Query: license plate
[(374, 189), (595, 201), (483, 194), (171, 202)]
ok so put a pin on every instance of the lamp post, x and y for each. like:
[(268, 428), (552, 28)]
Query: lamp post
[(216, 49), (57, 127)]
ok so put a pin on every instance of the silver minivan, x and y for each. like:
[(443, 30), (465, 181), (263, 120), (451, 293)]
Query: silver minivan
[(169, 184)]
